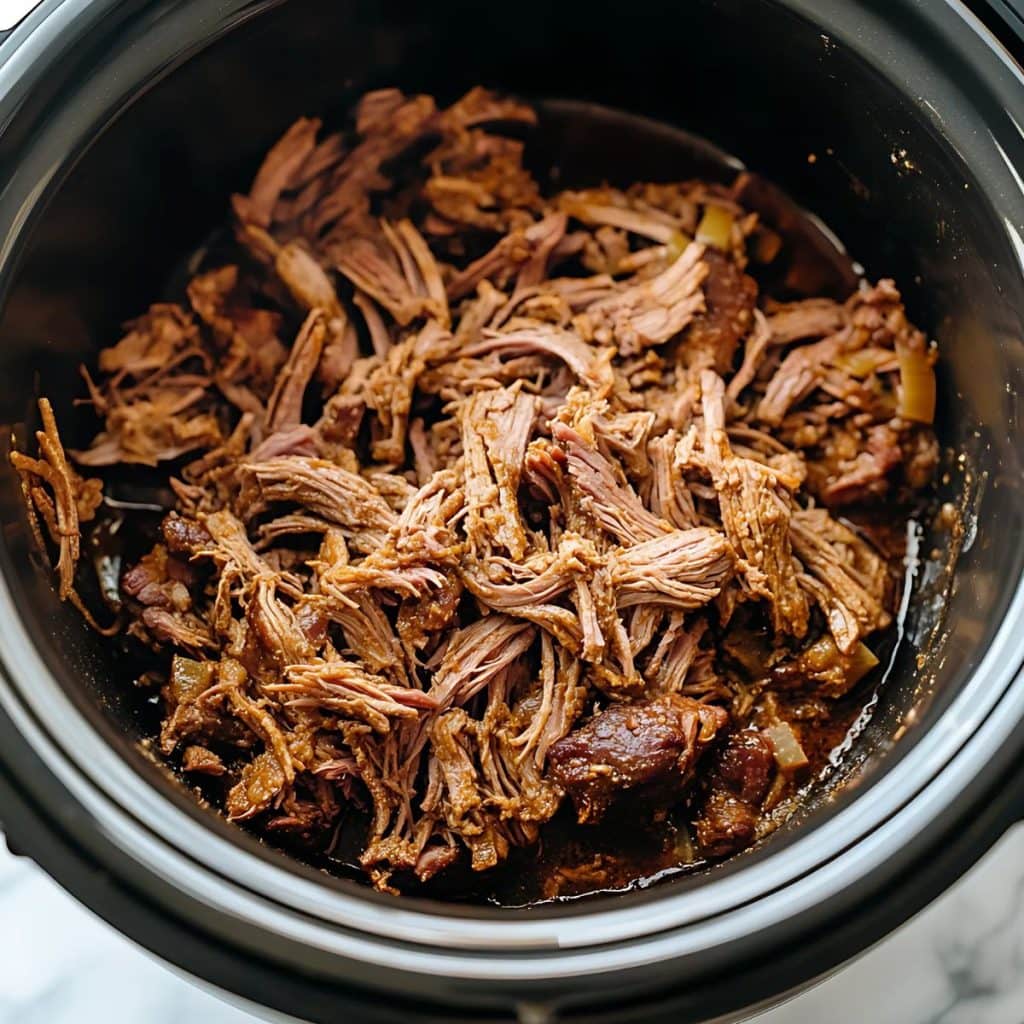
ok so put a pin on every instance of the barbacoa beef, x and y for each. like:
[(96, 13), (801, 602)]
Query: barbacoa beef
[(478, 497)]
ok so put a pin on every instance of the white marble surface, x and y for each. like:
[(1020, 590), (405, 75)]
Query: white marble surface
[(959, 962)]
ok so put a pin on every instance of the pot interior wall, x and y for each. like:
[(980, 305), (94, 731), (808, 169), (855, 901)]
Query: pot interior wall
[(828, 128)]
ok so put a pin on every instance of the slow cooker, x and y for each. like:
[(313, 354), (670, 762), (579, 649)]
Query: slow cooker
[(124, 124)]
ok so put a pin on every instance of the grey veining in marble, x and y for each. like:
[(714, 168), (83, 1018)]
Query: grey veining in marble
[(959, 962)]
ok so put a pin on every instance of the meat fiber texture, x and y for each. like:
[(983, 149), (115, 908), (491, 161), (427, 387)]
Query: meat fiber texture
[(477, 493)]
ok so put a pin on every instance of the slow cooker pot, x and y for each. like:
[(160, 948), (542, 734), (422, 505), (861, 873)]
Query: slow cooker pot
[(124, 124)]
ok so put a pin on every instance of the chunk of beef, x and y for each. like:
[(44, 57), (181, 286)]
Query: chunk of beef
[(867, 474), (159, 580), (198, 760), (517, 252), (184, 536), (648, 750), (737, 785), (715, 334), (326, 490)]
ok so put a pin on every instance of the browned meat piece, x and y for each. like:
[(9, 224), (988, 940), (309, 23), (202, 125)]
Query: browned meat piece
[(157, 403), (737, 785), (546, 713), (669, 497), (277, 626), (346, 688), (668, 669), (280, 165), (420, 619), (327, 491), (307, 281), (715, 334), (480, 106), (297, 440), (250, 353), (753, 353), (368, 635), (184, 536), (650, 749), (200, 761), (399, 272), (477, 654), (159, 581), (388, 390), (524, 252), (322, 191), (176, 628), (866, 475), (433, 860), (613, 208), (154, 430), (239, 564), (478, 181), (574, 558)]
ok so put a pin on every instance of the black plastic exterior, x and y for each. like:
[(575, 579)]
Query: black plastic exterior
[(121, 125)]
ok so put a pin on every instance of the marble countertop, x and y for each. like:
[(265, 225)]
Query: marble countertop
[(961, 961)]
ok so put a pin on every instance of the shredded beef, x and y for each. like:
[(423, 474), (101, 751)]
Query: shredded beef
[(486, 500)]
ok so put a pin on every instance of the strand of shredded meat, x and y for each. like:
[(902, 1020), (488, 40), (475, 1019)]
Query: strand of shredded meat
[(487, 502)]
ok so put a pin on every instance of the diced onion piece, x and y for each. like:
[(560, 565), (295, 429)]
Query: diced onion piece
[(715, 227), (789, 754), (862, 363), (683, 847), (676, 245), (917, 385), (862, 661), (189, 678)]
